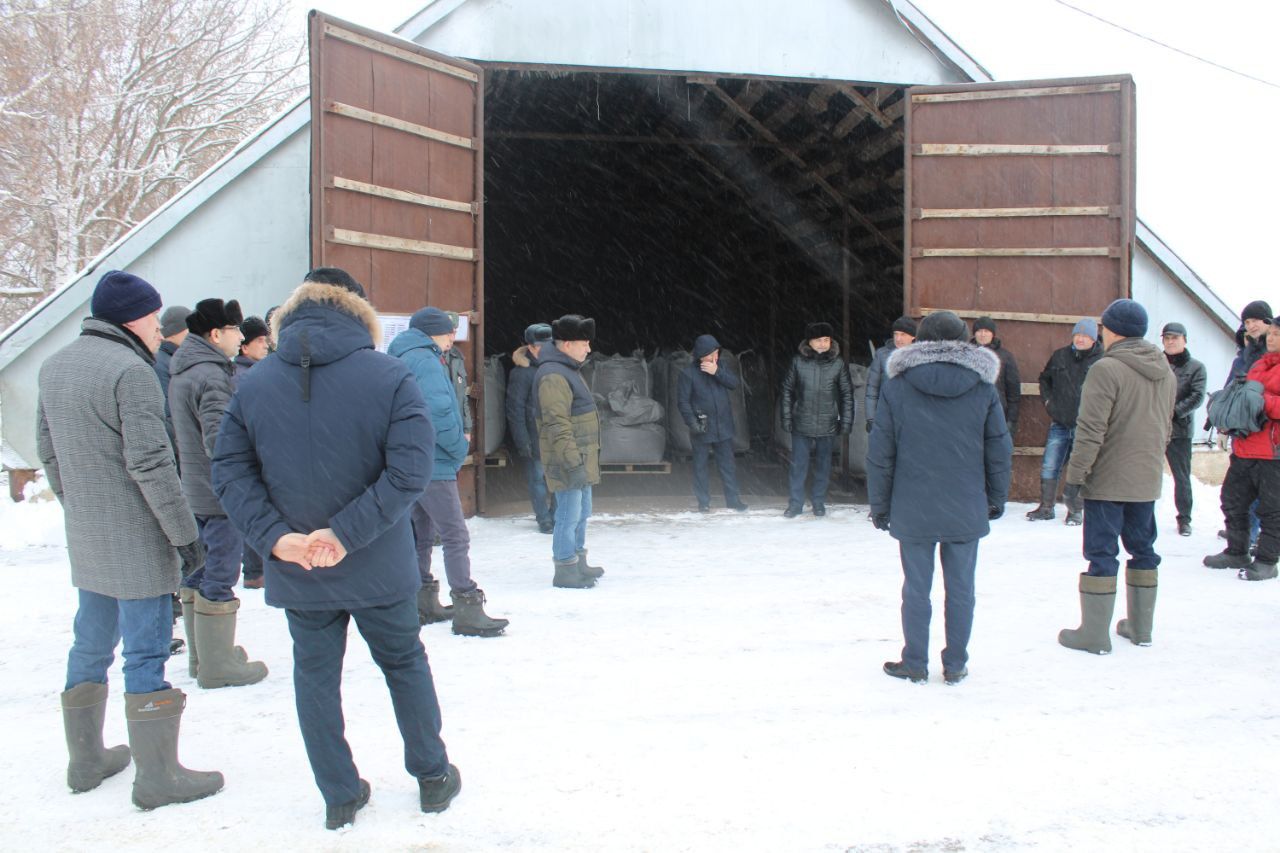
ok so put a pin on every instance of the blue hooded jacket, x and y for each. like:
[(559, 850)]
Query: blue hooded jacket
[(328, 432), (425, 358), (699, 392), (940, 452)]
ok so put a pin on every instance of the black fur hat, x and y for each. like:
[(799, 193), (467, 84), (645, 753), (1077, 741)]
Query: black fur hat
[(337, 277), (213, 314), (574, 327), (942, 326), (818, 330)]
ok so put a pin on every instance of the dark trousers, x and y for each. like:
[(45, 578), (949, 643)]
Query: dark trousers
[(250, 563), (1107, 524), (723, 450), (224, 547), (1247, 481), (959, 563), (1178, 454), (319, 644), (802, 447), (439, 511)]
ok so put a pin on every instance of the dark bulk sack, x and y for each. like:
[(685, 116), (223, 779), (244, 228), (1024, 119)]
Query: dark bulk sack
[(677, 429), (631, 428), (495, 402), (755, 380)]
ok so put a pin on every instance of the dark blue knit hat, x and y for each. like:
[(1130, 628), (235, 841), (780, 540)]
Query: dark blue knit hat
[(538, 334), (431, 321), (122, 297), (1126, 318)]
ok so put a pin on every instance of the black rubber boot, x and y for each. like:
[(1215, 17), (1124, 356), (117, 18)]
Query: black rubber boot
[(84, 707), (588, 571), (154, 719), (898, 669), (1140, 596), (1048, 493), (220, 665), (435, 794), (1259, 571), (1097, 603), (430, 610), (469, 618), (1075, 512), (1228, 560), (336, 817), (569, 575)]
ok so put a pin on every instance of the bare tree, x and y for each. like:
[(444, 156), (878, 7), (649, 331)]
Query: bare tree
[(110, 107)]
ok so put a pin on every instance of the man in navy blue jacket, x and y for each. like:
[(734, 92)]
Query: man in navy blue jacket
[(324, 448), (522, 421), (938, 468), (703, 400)]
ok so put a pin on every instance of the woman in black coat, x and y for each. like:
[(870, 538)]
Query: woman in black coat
[(817, 406)]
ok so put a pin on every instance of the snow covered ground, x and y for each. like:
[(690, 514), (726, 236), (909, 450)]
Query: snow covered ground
[(720, 690)]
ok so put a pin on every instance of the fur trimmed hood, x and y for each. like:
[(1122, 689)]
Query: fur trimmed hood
[(330, 296), (807, 351), (523, 358), (982, 361)]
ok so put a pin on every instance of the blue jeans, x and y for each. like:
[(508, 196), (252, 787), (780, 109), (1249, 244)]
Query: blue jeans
[(536, 478), (1134, 524), (959, 564), (573, 508), (1057, 449), (224, 548), (319, 645), (801, 447), (145, 624), (723, 450)]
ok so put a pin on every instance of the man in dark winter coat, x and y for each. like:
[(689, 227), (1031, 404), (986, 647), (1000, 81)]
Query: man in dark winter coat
[(1009, 383), (938, 467), (1253, 478), (101, 439), (904, 334), (569, 445), (326, 446), (1116, 467), (1251, 338), (817, 406), (439, 511), (522, 420), (457, 366), (253, 349), (200, 388), (703, 400), (173, 325), (1060, 383), (1191, 381)]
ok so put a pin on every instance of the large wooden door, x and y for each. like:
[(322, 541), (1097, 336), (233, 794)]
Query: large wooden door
[(397, 178), (1019, 206)]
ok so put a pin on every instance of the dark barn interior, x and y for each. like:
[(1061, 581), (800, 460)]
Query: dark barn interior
[(667, 206)]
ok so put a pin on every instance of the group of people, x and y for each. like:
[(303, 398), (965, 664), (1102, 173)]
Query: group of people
[(182, 454)]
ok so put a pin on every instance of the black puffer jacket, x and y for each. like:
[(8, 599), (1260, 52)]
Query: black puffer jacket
[(1191, 383), (817, 396), (1062, 379), (1008, 384)]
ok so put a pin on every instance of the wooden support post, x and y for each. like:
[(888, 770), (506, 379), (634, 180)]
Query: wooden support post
[(845, 319)]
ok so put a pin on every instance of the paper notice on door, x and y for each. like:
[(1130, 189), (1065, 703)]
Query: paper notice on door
[(392, 325)]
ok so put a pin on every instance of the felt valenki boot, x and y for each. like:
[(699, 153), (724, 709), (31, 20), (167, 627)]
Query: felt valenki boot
[(1140, 595), (84, 707), (1097, 603)]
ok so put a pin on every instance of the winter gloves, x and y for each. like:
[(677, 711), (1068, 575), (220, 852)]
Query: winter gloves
[(881, 520), (994, 512), (192, 555)]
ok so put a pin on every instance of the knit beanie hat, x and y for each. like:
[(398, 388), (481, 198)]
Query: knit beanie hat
[(818, 330), (1257, 310), (985, 323), (431, 321), (538, 334), (174, 320), (943, 326), (1087, 326), (906, 325), (253, 328), (1126, 318), (213, 314), (121, 297)]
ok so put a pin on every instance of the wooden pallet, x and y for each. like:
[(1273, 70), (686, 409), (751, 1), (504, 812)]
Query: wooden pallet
[(635, 467)]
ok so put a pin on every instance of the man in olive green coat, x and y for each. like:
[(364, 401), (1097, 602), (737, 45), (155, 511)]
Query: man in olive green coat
[(1116, 466), (569, 442)]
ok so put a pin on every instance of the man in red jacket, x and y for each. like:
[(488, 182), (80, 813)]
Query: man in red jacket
[(1254, 474)]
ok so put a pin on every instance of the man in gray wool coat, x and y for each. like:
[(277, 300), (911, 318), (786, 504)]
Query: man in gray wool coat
[(101, 438)]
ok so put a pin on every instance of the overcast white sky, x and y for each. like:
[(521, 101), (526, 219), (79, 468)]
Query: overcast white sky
[(1207, 139)]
